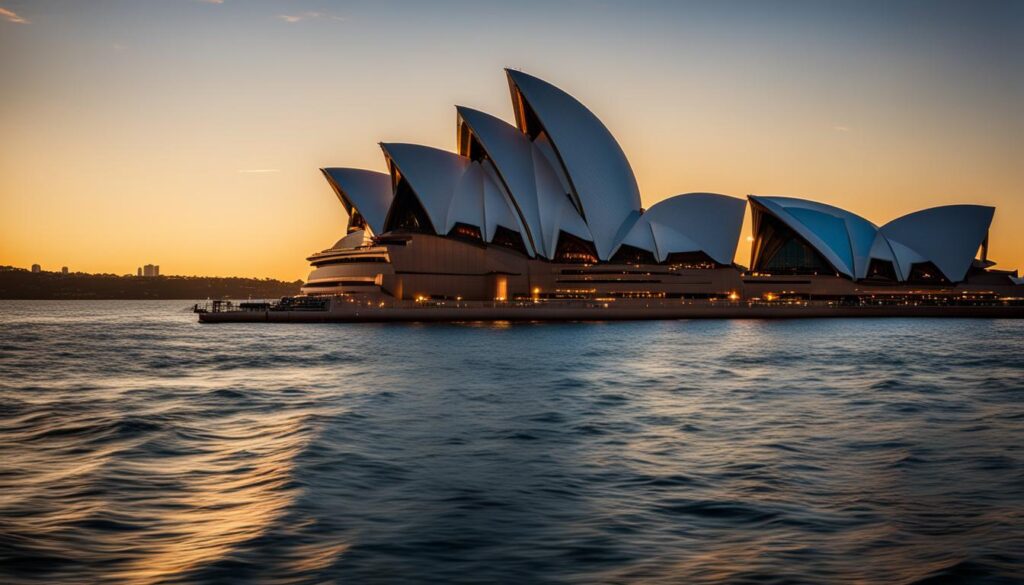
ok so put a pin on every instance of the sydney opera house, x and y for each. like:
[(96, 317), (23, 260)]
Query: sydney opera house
[(549, 209)]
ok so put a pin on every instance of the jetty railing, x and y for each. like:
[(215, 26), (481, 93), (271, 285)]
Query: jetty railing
[(951, 301), (323, 303), (284, 304)]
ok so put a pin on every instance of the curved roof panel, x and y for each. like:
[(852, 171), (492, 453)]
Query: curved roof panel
[(498, 210), (904, 257), (640, 236), (599, 173), (510, 151), (882, 249), (433, 174), (538, 194), (557, 213), (845, 239), (831, 230), (467, 204), (453, 189), (670, 240), (947, 236), (693, 222), (367, 191), (862, 238)]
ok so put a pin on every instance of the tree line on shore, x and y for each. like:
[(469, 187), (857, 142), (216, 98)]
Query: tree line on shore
[(18, 283)]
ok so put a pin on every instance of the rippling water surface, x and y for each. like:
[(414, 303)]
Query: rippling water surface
[(138, 446)]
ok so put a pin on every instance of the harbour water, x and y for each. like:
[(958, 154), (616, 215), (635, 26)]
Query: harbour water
[(138, 446)]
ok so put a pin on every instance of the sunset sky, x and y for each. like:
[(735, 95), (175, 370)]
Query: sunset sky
[(188, 133)]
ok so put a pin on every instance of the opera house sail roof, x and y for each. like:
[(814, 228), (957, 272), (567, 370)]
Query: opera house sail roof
[(944, 240), (555, 188), (948, 237), (599, 176), (694, 222), (556, 176), (366, 193)]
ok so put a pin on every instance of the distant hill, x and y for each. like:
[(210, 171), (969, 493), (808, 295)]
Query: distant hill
[(18, 283)]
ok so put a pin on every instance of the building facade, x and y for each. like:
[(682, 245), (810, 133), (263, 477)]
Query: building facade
[(549, 209)]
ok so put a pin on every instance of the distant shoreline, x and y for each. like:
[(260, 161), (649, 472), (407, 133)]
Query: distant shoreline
[(21, 284)]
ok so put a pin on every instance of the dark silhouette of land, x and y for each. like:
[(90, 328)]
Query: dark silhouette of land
[(18, 283)]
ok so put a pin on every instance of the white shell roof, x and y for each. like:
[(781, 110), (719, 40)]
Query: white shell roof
[(536, 190), (433, 174), (453, 189), (557, 212), (692, 222), (467, 204), (574, 177), (947, 236), (640, 235), (845, 239), (882, 249), (498, 210), (904, 258), (510, 150), (367, 191), (597, 168)]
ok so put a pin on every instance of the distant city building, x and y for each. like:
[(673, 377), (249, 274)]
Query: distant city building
[(36, 269), (63, 269), (151, 270), (139, 272)]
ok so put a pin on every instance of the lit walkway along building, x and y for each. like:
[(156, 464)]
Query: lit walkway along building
[(550, 209)]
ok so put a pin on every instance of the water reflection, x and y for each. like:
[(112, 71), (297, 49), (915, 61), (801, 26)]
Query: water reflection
[(236, 489), (138, 447)]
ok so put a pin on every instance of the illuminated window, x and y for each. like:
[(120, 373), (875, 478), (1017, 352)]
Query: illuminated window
[(926, 273), (573, 250), (690, 261), (509, 239), (881, 270), (465, 231), (500, 287), (627, 254)]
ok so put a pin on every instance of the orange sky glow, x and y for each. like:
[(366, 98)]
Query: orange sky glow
[(190, 134)]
